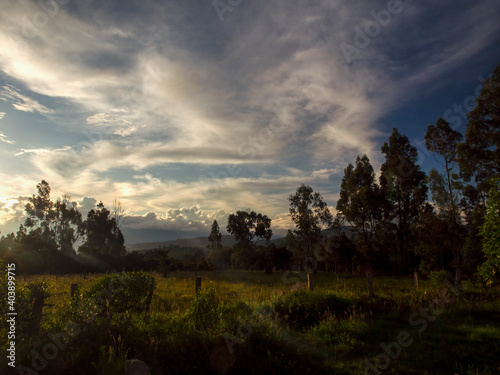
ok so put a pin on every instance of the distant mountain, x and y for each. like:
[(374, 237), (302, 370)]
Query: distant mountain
[(227, 240), (199, 242), (135, 236)]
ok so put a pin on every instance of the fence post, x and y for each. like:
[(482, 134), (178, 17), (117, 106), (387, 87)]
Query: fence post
[(369, 279), (38, 304), (415, 278), (310, 285), (198, 285)]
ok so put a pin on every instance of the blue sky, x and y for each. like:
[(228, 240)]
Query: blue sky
[(188, 111)]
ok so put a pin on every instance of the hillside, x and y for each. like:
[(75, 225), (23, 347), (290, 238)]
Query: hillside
[(227, 241), (197, 242)]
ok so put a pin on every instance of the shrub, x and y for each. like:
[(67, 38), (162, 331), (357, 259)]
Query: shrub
[(205, 311), (121, 292), (30, 300), (341, 334), (437, 278), (302, 309)]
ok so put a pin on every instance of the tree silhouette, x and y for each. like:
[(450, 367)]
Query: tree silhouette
[(360, 199), (215, 237), (249, 226), (479, 154), (310, 214), (440, 139), (403, 185), (103, 237)]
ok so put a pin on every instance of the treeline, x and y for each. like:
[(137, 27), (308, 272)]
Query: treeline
[(403, 221), (407, 220), (52, 229)]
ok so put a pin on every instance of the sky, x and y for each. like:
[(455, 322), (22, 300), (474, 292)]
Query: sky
[(187, 111)]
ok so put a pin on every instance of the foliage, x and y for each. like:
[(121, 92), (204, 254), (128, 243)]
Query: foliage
[(360, 199), (442, 140), (340, 334), (490, 232), (59, 223), (121, 292), (205, 310), (439, 241), (103, 237), (438, 278), (215, 237), (303, 309), (479, 154), (221, 258), (249, 226), (310, 214), (403, 184), (336, 336), (30, 299)]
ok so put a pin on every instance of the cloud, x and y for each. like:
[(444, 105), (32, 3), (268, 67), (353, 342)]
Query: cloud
[(247, 109), (39, 151), (4, 139), (12, 211), (190, 219), (85, 205), (2, 115), (22, 102)]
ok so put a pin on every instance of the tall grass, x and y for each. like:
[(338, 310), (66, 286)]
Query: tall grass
[(249, 322)]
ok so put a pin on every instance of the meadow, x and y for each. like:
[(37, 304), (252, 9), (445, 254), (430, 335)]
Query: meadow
[(245, 322)]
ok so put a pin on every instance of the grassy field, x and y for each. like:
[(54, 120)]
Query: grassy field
[(255, 323)]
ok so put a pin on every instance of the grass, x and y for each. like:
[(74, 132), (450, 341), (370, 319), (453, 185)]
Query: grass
[(252, 322)]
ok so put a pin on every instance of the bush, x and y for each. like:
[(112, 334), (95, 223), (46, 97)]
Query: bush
[(121, 292), (30, 300), (205, 311), (438, 278), (303, 309), (340, 334)]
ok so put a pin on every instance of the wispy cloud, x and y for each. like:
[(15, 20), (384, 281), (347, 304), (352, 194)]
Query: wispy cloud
[(4, 139), (248, 108), (22, 102)]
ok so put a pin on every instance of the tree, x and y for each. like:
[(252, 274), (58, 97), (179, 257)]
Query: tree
[(360, 199), (479, 154), (310, 214), (215, 237), (118, 212), (403, 184), (436, 241), (57, 223), (442, 140), (103, 237), (490, 232), (249, 226)]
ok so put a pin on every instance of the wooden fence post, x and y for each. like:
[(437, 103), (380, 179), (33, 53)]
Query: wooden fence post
[(198, 285), (310, 285), (37, 311), (415, 278)]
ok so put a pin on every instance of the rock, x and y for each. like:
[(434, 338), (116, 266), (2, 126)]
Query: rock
[(135, 367)]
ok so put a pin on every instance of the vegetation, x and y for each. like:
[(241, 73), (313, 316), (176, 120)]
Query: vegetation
[(265, 322), (247, 322)]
